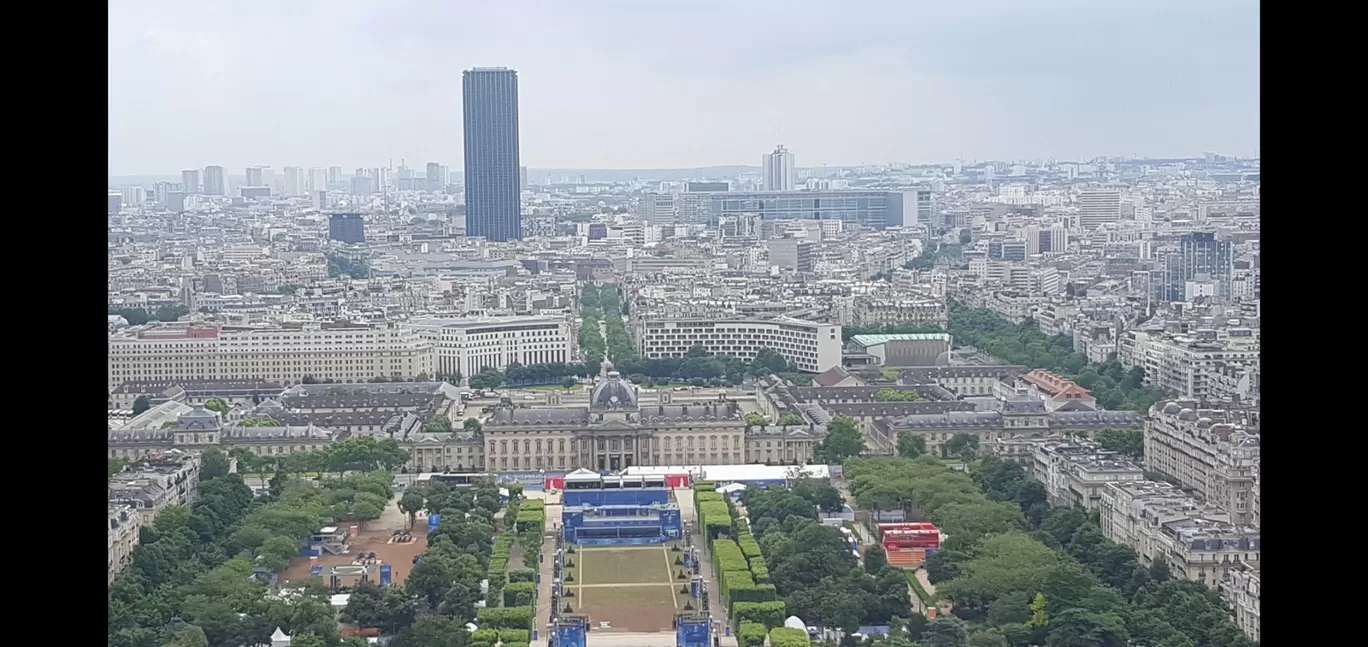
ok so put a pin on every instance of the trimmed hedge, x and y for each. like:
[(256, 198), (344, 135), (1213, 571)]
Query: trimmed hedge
[(506, 617), (760, 571), (522, 575), (789, 637), (507, 636), (770, 614), (704, 486), (730, 580), (751, 634), (714, 518), (751, 592), (749, 547), (532, 504), (488, 636), (727, 556), (519, 594)]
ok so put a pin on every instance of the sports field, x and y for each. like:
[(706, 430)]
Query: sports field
[(632, 588)]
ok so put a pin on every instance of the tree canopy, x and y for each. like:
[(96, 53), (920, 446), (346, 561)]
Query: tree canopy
[(1114, 386), (1035, 574)]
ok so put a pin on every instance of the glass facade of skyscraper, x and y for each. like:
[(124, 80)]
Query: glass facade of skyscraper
[(493, 206)]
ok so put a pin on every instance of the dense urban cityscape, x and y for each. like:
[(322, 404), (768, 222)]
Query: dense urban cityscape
[(477, 403)]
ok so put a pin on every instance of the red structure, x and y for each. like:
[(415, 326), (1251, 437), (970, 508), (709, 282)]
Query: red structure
[(555, 483), (897, 536), (677, 480)]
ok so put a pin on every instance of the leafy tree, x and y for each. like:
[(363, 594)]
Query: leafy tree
[(754, 419), (790, 419), (910, 445), (990, 637), (945, 631), (216, 404), (472, 425), (439, 424), (411, 503), (487, 378), (962, 445), (172, 312), (1081, 628), (1128, 442), (134, 316), (568, 382), (432, 631), (116, 465), (843, 440), (893, 395), (187, 636), (875, 559), (214, 464), (140, 404), (307, 640)]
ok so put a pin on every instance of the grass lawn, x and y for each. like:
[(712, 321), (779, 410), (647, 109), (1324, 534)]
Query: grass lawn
[(652, 565), (628, 596), (545, 387)]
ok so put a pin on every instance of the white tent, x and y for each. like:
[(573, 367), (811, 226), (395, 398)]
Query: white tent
[(731, 487), (794, 622)]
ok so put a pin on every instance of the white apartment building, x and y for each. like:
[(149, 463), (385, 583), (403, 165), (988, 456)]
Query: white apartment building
[(1211, 451), (810, 347), (469, 344), (1097, 207), (1075, 473), (1191, 366), (901, 310), (284, 353), (124, 522), (1158, 521), (1240, 588), (156, 481)]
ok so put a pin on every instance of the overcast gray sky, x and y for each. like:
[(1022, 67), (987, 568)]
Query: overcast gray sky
[(665, 84)]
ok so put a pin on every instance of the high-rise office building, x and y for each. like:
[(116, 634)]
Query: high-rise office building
[(1097, 207), (318, 179), (190, 181), (522, 178), (294, 180), (348, 228), (255, 176), (1199, 258), (134, 196), (436, 178), (658, 209), (214, 181), (778, 170), (115, 203), (493, 205), (334, 174)]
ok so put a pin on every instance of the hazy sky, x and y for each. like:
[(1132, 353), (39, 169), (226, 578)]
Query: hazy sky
[(665, 84)]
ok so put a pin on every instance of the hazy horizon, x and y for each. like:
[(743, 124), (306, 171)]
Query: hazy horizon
[(671, 86)]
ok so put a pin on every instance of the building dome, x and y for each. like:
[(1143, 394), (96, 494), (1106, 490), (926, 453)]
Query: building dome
[(1203, 423), (613, 393), (1172, 408), (1187, 414)]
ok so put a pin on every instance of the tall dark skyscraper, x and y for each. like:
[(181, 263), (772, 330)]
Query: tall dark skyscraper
[(348, 228), (493, 208)]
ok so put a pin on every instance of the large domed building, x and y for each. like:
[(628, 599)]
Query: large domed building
[(615, 431)]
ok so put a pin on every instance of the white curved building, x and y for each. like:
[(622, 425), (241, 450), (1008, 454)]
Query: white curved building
[(810, 347), (469, 344)]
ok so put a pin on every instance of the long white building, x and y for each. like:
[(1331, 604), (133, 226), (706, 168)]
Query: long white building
[(284, 353), (810, 347), (470, 344)]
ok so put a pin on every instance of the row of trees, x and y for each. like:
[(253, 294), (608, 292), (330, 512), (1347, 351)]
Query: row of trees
[(205, 564), (355, 454), (591, 341), (1114, 386), (1021, 572), (140, 316)]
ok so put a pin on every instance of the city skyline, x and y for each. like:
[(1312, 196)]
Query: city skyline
[(1060, 79)]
